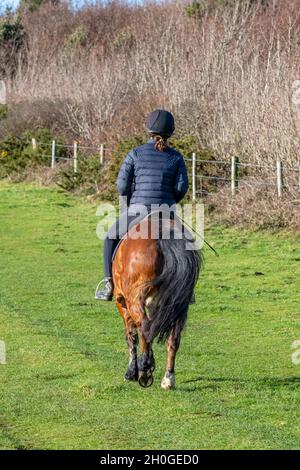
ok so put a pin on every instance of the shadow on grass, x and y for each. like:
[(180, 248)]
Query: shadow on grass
[(271, 382), (49, 377)]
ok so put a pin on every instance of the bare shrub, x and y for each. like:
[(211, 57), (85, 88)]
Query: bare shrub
[(257, 205), (34, 115), (227, 75), (226, 72), (42, 176)]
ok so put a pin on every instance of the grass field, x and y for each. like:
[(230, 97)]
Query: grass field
[(62, 386)]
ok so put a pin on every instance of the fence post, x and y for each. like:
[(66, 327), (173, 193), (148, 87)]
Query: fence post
[(53, 155), (2, 92), (193, 176), (33, 143), (234, 175), (2, 353), (279, 178), (101, 154), (75, 157)]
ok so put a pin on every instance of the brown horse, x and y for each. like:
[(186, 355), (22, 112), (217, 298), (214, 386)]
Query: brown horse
[(154, 282)]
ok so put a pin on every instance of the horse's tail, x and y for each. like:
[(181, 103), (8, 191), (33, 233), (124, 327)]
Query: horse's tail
[(173, 288)]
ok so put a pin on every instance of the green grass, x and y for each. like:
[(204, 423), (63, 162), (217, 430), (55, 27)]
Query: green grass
[(63, 383)]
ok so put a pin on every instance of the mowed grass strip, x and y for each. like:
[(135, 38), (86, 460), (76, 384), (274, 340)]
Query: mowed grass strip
[(62, 386)]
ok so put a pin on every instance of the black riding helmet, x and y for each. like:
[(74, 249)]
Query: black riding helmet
[(160, 122)]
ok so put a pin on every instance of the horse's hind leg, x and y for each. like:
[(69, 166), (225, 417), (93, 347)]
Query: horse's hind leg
[(168, 382), (132, 341), (146, 363)]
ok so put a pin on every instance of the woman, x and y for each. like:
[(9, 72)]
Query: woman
[(152, 173)]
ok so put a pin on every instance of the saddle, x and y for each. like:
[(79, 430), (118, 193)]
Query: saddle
[(163, 222)]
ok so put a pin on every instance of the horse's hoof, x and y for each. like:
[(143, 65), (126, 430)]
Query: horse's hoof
[(131, 376), (145, 379), (168, 382)]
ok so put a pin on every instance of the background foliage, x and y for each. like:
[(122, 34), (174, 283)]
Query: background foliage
[(92, 75)]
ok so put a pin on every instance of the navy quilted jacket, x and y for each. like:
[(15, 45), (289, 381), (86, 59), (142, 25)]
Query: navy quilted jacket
[(148, 176)]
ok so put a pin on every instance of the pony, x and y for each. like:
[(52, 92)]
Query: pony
[(154, 281)]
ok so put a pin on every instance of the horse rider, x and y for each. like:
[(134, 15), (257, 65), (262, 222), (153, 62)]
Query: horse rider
[(153, 173)]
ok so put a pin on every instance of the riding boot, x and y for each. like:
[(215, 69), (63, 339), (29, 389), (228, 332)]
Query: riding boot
[(107, 292)]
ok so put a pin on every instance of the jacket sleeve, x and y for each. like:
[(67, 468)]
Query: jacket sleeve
[(181, 181), (126, 176)]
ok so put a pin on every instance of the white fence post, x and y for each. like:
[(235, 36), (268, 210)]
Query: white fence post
[(101, 154), (53, 155), (234, 175), (279, 178), (2, 353), (75, 157), (193, 176), (2, 92), (33, 143)]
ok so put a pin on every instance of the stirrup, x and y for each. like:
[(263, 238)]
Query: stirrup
[(97, 291)]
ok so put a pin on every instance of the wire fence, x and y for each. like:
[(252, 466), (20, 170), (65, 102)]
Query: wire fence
[(206, 176)]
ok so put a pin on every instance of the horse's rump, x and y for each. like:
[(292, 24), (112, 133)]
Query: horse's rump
[(155, 278)]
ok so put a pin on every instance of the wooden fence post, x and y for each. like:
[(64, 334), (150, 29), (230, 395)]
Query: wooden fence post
[(101, 154), (75, 157), (33, 143), (53, 155), (193, 176), (234, 175), (279, 178)]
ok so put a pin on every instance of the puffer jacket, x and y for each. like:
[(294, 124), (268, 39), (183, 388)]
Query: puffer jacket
[(148, 176)]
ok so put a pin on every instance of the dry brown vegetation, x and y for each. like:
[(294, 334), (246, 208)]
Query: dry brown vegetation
[(257, 206), (226, 72)]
